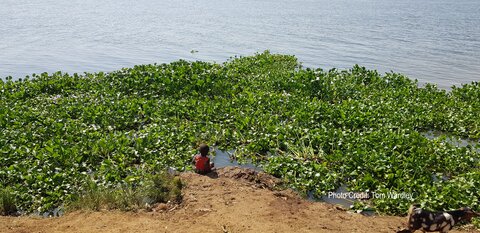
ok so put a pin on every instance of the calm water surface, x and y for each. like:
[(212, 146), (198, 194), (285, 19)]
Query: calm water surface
[(431, 40)]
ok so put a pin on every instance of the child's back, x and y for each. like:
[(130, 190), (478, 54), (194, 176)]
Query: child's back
[(201, 161)]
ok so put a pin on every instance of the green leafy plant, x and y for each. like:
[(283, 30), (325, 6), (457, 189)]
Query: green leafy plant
[(316, 129)]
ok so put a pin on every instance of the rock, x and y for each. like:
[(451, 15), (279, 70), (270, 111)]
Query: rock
[(160, 207), (203, 210)]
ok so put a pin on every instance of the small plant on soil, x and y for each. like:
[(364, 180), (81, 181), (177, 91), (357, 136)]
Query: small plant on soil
[(160, 188), (7, 202)]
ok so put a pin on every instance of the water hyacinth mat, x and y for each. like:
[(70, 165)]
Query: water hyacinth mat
[(316, 129)]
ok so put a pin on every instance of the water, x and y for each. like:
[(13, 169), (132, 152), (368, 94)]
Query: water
[(346, 201), (431, 40), (224, 159), (456, 141)]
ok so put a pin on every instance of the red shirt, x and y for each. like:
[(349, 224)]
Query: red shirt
[(202, 163)]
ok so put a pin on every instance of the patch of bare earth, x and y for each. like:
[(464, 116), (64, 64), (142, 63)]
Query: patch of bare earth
[(235, 200)]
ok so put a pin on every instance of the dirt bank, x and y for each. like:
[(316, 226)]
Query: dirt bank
[(237, 200)]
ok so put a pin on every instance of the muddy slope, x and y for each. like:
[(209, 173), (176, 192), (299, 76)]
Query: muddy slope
[(234, 200)]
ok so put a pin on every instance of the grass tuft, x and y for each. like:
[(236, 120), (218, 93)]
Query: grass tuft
[(160, 188), (7, 202), (476, 222), (164, 188)]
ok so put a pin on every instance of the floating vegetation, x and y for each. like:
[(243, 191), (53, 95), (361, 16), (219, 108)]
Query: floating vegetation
[(316, 129)]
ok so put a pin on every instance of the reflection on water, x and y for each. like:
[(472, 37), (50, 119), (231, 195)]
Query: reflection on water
[(431, 40), (57, 212), (456, 141), (225, 159), (459, 142), (346, 200)]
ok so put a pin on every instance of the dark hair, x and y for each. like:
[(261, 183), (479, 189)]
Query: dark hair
[(204, 149)]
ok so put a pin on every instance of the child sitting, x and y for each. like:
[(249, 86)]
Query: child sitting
[(201, 161)]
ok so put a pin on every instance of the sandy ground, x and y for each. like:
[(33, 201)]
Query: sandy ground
[(236, 201)]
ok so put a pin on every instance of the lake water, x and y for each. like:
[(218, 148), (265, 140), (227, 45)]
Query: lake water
[(431, 40), (225, 159)]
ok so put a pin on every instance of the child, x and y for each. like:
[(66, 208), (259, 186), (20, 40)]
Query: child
[(201, 161)]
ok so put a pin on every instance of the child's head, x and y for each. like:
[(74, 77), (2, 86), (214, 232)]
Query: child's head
[(204, 149)]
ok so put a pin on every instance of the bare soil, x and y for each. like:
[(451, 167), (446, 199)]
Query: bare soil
[(233, 200)]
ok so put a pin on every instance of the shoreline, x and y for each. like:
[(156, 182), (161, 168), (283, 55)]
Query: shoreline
[(231, 202)]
